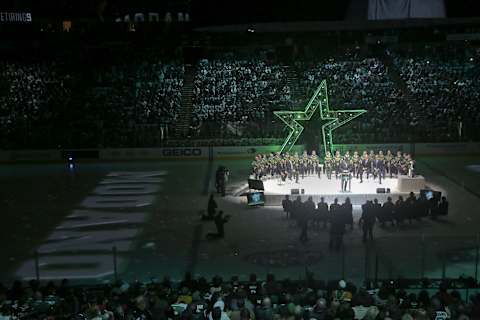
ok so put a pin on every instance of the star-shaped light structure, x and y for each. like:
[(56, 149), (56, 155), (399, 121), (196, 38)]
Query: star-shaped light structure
[(333, 118)]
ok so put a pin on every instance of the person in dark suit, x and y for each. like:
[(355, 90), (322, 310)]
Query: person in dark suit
[(297, 207), (443, 207), (322, 212), (377, 209), (211, 208), (399, 210), (309, 207), (411, 207), (378, 168), (365, 166), (334, 206), (433, 206), (305, 216), (287, 206), (328, 165), (221, 178), (220, 221), (344, 170), (347, 212), (368, 220), (387, 212), (423, 207), (337, 227), (334, 209)]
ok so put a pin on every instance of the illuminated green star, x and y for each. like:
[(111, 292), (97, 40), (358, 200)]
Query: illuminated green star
[(334, 119)]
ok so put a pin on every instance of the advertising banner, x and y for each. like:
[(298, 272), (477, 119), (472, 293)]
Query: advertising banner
[(33, 155), (155, 153), (229, 152)]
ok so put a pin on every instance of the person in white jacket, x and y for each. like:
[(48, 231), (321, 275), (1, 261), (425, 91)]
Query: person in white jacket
[(223, 315)]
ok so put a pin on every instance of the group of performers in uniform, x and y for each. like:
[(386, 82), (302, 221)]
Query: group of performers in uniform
[(295, 166)]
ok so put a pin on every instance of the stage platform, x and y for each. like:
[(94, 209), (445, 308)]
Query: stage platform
[(330, 189)]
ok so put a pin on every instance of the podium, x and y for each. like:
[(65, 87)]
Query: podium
[(407, 184)]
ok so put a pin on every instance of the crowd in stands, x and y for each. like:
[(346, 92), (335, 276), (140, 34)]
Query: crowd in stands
[(137, 103), (137, 96), (30, 93), (439, 103), (361, 83), (158, 92), (239, 95), (130, 104), (199, 299), (444, 83)]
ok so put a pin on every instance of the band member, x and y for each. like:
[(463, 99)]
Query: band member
[(336, 161), (371, 156), (381, 156), (267, 165), (397, 163), (296, 170), (378, 168), (409, 164), (315, 164), (347, 156), (405, 164), (304, 167), (287, 166), (304, 162), (365, 166), (256, 167), (328, 162), (356, 164), (270, 163), (388, 162), (279, 164), (310, 166), (283, 174), (344, 169)]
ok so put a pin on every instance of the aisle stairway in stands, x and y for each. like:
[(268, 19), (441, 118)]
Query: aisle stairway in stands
[(185, 112), (294, 82)]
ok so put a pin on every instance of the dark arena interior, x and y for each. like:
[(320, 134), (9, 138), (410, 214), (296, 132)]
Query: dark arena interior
[(212, 159)]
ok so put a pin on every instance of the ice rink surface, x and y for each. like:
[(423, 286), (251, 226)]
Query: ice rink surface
[(154, 222)]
